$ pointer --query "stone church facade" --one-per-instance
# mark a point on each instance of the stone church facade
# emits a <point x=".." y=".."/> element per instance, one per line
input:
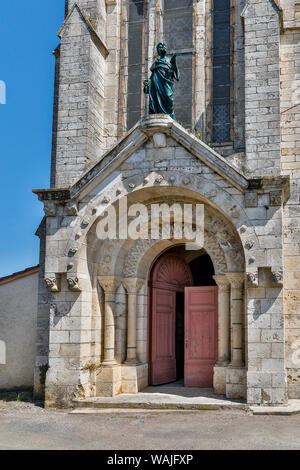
<point x="107" y="309"/>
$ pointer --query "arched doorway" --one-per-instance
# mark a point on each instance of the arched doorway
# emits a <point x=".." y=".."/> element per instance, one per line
<point x="183" y="319"/>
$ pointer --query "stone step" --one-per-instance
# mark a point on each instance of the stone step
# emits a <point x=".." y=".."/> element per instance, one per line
<point x="292" y="408"/>
<point x="158" y="402"/>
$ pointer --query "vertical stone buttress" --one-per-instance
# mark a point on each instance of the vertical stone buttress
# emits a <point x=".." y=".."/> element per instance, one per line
<point x="290" y="164"/>
<point x="266" y="376"/>
<point x="79" y="129"/>
<point x="79" y="135"/>
<point x="262" y="88"/>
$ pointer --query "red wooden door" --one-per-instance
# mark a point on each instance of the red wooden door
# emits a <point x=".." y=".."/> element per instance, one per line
<point x="163" y="360"/>
<point x="201" y="335"/>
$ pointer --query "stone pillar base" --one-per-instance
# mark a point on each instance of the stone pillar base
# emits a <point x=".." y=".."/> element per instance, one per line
<point x="60" y="396"/>
<point x="267" y="388"/>
<point x="134" y="378"/>
<point x="109" y="381"/>
<point x="220" y="379"/>
<point x="235" y="382"/>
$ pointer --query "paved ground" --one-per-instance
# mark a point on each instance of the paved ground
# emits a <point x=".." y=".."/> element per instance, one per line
<point x="25" y="426"/>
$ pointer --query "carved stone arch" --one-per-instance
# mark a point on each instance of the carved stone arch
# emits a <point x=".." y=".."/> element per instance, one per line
<point x="213" y="193"/>
<point x="216" y="255"/>
<point x="140" y="255"/>
<point x="216" y="196"/>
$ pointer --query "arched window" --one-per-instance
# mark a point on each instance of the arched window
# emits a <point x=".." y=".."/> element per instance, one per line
<point x="221" y="63"/>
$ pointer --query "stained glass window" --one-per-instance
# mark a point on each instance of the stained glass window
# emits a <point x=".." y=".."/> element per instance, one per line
<point x="178" y="36"/>
<point x="135" y="15"/>
<point x="221" y="58"/>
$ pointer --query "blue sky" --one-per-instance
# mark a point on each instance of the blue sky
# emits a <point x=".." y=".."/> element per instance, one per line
<point x="28" y="35"/>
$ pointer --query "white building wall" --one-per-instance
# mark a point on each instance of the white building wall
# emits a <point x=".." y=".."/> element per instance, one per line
<point x="18" y="310"/>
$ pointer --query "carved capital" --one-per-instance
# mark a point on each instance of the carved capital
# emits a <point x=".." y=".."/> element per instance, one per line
<point x="109" y="284"/>
<point x="133" y="284"/>
<point x="50" y="209"/>
<point x="223" y="283"/>
<point x="236" y="280"/>
<point x="73" y="284"/>
<point x="52" y="284"/>
<point x="252" y="279"/>
<point x="277" y="278"/>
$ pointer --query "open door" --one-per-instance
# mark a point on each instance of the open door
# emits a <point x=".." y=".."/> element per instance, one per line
<point x="163" y="366"/>
<point x="201" y="335"/>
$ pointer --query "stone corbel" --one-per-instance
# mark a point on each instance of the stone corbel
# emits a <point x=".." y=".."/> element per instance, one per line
<point x="73" y="284"/>
<point x="252" y="279"/>
<point x="277" y="278"/>
<point x="52" y="283"/>
<point x="50" y="209"/>
<point x="71" y="208"/>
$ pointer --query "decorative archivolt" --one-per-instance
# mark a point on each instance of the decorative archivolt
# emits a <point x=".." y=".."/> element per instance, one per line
<point x="228" y="234"/>
<point x="143" y="248"/>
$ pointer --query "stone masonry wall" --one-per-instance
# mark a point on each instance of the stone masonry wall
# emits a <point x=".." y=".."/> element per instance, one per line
<point x="96" y="10"/>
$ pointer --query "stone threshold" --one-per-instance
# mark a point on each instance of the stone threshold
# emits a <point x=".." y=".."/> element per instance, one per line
<point x="156" y="401"/>
<point x="292" y="408"/>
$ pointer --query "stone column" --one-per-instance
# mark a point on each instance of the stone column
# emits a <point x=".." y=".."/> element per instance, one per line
<point x="132" y="285"/>
<point x="223" y="320"/>
<point x="110" y="285"/>
<point x="236" y="305"/>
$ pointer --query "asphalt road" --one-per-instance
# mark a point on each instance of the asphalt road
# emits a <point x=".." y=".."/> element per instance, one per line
<point x="25" y="426"/>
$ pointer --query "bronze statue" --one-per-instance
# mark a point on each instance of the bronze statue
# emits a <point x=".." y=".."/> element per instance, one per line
<point x="160" y="87"/>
